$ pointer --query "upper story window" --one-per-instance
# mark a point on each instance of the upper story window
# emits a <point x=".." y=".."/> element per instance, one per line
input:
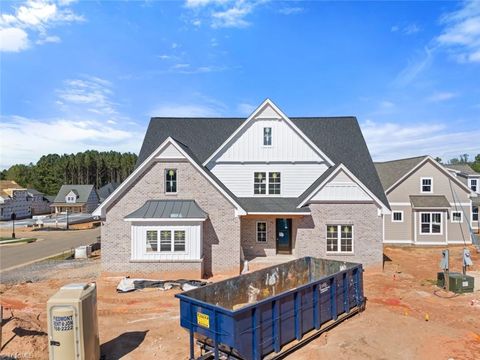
<point x="473" y="184"/>
<point x="426" y="185"/>
<point x="171" y="181"/>
<point x="267" y="136"/>
<point x="261" y="183"/>
<point x="397" y="216"/>
<point x="457" y="217"/>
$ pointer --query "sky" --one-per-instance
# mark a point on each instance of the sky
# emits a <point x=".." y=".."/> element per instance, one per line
<point x="79" y="75"/>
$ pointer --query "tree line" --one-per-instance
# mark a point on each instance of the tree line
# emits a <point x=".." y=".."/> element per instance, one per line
<point x="88" y="167"/>
<point x="464" y="159"/>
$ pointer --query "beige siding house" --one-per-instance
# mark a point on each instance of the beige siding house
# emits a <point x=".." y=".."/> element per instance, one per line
<point x="429" y="205"/>
<point x="208" y="193"/>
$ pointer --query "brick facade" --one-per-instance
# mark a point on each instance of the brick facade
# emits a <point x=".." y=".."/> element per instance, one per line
<point x="252" y="248"/>
<point x="221" y="231"/>
<point x="367" y="232"/>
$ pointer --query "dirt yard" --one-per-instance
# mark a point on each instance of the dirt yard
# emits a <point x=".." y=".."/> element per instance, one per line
<point x="406" y="317"/>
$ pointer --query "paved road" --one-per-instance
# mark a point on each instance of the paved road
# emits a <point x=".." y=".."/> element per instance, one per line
<point x="61" y="220"/>
<point x="53" y="242"/>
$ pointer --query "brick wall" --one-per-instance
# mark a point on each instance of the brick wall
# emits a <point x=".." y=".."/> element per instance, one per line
<point x="367" y="230"/>
<point x="221" y="232"/>
<point x="250" y="245"/>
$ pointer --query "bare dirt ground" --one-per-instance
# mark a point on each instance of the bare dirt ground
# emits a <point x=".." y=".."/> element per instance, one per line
<point x="145" y="324"/>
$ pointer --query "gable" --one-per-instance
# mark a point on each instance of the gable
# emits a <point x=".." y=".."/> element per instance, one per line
<point x="443" y="184"/>
<point x="341" y="188"/>
<point x="289" y="144"/>
<point x="170" y="152"/>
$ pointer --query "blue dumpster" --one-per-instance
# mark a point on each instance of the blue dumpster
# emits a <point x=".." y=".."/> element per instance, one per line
<point x="264" y="312"/>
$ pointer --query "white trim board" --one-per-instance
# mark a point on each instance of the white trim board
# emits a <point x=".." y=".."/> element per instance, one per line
<point x="171" y="220"/>
<point x="284" y="117"/>
<point x="278" y="213"/>
<point x="100" y="210"/>
<point x="342" y="167"/>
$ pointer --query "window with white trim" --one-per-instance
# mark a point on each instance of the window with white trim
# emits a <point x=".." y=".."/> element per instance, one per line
<point x="339" y="238"/>
<point x="430" y="223"/>
<point x="457" y="217"/>
<point x="267" y="136"/>
<point x="171" y="181"/>
<point x="426" y="185"/>
<point x="397" y="216"/>
<point x="152" y="241"/>
<point x="261" y="231"/>
<point x="261" y="183"/>
<point x="474" y="213"/>
<point x="473" y="184"/>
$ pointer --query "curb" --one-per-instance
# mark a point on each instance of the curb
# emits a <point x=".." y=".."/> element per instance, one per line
<point x="32" y="262"/>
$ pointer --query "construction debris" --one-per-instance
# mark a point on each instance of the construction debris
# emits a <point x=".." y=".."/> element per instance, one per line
<point x="127" y="284"/>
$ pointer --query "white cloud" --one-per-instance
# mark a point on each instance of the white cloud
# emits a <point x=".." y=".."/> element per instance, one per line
<point x="186" y="110"/>
<point x="385" y="104"/>
<point x="60" y="135"/>
<point x="13" y="39"/>
<point x="234" y="16"/>
<point x="291" y="10"/>
<point x="415" y="67"/>
<point x="203" y="3"/>
<point x="246" y="109"/>
<point x="461" y="34"/>
<point x="406" y="30"/>
<point x="33" y="19"/>
<point x="388" y="141"/>
<point x="441" y="96"/>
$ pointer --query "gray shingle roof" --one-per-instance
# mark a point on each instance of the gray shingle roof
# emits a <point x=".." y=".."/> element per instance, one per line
<point x="82" y="191"/>
<point x="463" y="168"/>
<point x="390" y="172"/>
<point x="340" y="138"/>
<point x="429" y="201"/>
<point x="106" y="190"/>
<point x="270" y="204"/>
<point x="34" y="192"/>
<point x="168" y="209"/>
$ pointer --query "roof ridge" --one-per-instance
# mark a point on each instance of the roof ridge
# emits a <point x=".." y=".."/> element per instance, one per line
<point x="409" y="158"/>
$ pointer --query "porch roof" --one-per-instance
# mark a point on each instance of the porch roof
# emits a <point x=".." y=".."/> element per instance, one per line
<point x="274" y="205"/>
<point x="168" y="209"/>
<point x="429" y="201"/>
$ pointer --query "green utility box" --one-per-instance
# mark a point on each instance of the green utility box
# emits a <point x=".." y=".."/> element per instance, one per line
<point x="459" y="283"/>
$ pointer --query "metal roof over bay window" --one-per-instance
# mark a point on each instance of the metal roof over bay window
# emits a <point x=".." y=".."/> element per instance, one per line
<point x="171" y="210"/>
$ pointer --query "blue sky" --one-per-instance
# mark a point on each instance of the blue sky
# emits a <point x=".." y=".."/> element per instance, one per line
<point x="89" y="74"/>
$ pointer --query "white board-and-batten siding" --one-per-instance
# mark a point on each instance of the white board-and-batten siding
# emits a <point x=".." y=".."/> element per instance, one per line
<point x="193" y="241"/>
<point x="341" y="188"/>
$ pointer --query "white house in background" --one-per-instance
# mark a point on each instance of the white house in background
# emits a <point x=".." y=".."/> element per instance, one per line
<point x="209" y="192"/>
<point x="430" y="206"/>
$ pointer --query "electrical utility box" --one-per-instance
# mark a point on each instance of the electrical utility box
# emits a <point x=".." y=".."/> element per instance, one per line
<point x="72" y="323"/>
<point x="458" y="283"/>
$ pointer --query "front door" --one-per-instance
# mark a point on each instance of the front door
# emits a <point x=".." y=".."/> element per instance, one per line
<point x="284" y="236"/>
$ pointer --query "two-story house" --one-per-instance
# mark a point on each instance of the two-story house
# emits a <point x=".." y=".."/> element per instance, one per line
<point x="13" y="200"/>
<point x="472" y="179"/>
<point x="208" y="192"/>
<point x="39" y="204"/>
<point x="429" y="205"/>
<point x="76" y="199"/>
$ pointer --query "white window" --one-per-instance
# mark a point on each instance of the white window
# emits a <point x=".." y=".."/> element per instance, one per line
<point x="457" y="217"/>
<point x="431" y="223"/>
<point x="267" y="136"/>
<point x="426" y="185"/>
<point x="261" y="231"/>
<point x="473" y="184"/>
<point x="170" y="241"/>
<point x="397" y="216"/>
<point x="171" y="181"/>
<point x="261" y="183"/>
<point x="474" y="213"/>
<point x="152" y="240"/>
<point x="339" y="238"/>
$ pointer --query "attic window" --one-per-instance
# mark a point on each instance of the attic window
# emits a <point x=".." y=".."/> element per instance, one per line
<point x="267" y="136"/>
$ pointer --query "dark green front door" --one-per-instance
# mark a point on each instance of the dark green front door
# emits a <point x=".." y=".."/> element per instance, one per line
<point x="284" y="236"/>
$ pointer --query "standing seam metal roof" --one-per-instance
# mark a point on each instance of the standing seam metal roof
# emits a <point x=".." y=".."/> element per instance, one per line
<point x="168" y="209"/>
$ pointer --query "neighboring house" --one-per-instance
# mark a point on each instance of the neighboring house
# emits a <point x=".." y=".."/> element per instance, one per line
<point x="39" y="204"/>
<point x="472" y="179"/>
<point x="429" y="205"/>
<point x="76" y="199"/>
<point x="106" y="190"/>
<point x="208" y="192"/>
<point x="13" y="199"/>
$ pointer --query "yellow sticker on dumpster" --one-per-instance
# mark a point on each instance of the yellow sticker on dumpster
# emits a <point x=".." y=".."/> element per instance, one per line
<point x="203" y="320"/>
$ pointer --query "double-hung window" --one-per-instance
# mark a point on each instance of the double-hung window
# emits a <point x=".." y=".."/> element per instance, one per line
<point x="339" y="238"/>
<point x="261" y="231"/>
<point x="426" y="185"/>
<point x="267" y="136"/>
<point x="430" y="223"/>
<point x="474" y="213"/>
<point x="473" y="184"/>
<point x="274" y="183"/>
<point x="457" y="217"/>
<point x="259" y="183"/>
<point x="170" y="241"/>
<point x="170" y="181"/>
